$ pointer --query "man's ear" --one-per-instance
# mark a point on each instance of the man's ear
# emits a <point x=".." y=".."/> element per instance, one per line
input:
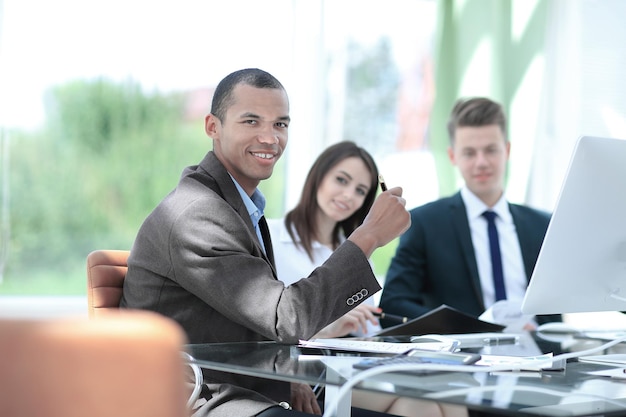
<point x="451" y="155"/>
<point x="211" y="126"/>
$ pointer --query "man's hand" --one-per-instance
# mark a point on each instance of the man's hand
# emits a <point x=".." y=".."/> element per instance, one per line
<point x="386" y="220"/>
<point x="303" y="399"/>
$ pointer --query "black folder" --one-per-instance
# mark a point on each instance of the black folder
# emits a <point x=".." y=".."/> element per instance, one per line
<point x="442" y="320"/>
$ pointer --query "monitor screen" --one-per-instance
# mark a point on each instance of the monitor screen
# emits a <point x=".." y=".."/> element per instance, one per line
<point x="582" y="263"/>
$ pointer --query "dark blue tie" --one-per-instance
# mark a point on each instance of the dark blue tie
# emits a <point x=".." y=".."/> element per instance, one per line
<point x="267" y="240"/>
<point x="496" y="258"/>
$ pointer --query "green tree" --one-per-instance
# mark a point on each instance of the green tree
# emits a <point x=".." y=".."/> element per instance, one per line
<point x="371" y="96"/>
<point x="108" y="153"/>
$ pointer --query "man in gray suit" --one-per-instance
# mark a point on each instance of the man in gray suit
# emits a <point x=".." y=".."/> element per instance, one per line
<point x="204" y="256"/>
<point x="445" y="257"/>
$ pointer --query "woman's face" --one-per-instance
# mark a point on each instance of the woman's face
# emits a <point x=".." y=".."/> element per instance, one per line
<point x="343" y="189"/>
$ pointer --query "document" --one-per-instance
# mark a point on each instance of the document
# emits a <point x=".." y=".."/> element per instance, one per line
<point x="617" y="373"/>
<point x="522" y="363"/>
<point x="612" y="359"/>
<point x="359" y="345"/>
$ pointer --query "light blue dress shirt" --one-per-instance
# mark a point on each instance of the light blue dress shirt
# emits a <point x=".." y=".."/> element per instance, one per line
<point x="255" y="206"/>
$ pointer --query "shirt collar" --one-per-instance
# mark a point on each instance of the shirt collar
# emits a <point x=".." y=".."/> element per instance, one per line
<point x="254" y="205"/>
<point x="475" y="207"/>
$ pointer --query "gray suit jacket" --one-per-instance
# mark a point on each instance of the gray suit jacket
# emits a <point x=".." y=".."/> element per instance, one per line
<point x="435" y="262"/>
<point x="197" y="260"/>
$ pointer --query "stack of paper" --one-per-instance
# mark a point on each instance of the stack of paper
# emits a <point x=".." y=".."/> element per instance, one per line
<point x="353" y="345"/>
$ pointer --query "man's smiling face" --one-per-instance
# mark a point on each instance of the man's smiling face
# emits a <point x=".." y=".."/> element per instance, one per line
<point x="253" y="134"/>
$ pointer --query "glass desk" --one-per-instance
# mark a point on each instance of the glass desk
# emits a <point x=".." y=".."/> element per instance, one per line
<point x="569" y="392"/>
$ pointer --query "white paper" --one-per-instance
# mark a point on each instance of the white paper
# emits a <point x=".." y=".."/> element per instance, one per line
<point x="377" y="347"/>
<point x="507" y="313"/>
<point x="520" y="363"/>
<point x="619" y="373"/>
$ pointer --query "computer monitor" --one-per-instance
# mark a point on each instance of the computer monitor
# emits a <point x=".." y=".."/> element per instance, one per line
<point x="582" y="263"/>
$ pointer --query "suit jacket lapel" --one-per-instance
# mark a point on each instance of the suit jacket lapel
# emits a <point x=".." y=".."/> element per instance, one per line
<point x="458" y="214"/>
<point x="228" y="191"/>
<point x="524" y="230"/>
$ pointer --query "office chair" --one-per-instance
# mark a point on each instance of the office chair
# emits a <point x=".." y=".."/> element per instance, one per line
<point x="124" y="364"/>
<point x="106" y="270"/>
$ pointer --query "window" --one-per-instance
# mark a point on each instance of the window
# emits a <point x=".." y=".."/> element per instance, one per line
<point x="102" y="106"/>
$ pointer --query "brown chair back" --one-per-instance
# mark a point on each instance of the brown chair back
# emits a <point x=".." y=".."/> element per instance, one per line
<point x="106" y="270"/>
<point x="124" y="364"/>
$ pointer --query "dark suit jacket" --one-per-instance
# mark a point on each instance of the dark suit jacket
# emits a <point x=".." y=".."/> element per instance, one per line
<point x="197" y="259"/>
<point x="435" y="263"/>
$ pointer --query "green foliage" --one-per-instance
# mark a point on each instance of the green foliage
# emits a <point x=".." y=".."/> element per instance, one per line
<point x="97" y="114"/>
<point x="371" y="96"/>
<point x="108" y="154"/>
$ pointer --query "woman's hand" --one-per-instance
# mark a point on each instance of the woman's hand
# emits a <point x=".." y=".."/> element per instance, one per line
<point x="351" y="322"/>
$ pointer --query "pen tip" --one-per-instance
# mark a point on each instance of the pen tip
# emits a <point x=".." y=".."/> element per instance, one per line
<point x="381" y="179"/>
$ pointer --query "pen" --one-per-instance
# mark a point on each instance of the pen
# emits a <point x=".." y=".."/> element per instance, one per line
<point x="381" y="180"/>
<point x="392" y="317"/>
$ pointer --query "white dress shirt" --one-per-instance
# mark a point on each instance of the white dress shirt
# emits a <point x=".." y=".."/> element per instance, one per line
<point x="293" y="263"/>
<point x="515" y="280"/>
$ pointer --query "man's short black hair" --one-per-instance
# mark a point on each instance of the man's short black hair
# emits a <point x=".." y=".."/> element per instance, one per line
<point x="222" y="98"/>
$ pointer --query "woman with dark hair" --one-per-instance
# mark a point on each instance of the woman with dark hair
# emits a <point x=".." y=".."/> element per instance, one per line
<point x="338" y="192"/>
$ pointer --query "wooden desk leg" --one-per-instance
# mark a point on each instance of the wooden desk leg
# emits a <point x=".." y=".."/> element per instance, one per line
<point x="331" y="391"/>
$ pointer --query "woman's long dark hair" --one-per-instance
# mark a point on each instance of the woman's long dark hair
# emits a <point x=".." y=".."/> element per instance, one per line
<point x="302" y="218"/>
